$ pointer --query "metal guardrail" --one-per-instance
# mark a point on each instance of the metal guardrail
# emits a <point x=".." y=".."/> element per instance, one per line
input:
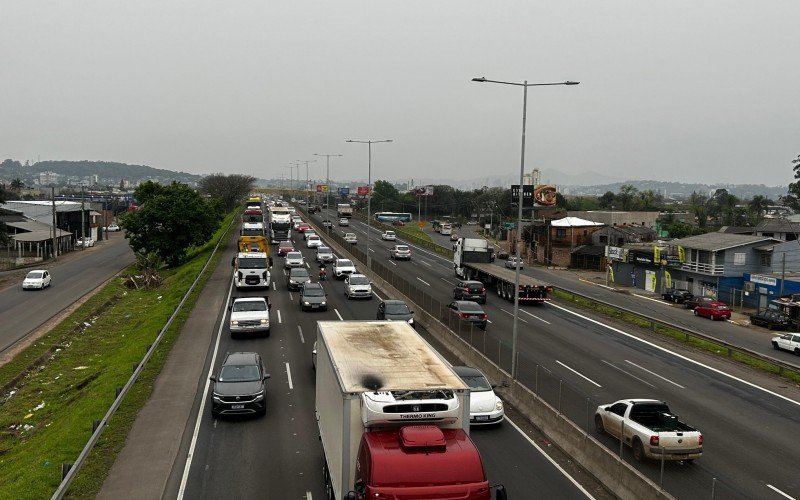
<point x="121" y="393"/>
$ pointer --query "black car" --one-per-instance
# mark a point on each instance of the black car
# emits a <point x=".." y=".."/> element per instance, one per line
<point x="772" y="319"/>
<point x="313" y="296"/>
<point x="395" y="310"/>
<point x="240" y="386"/>
<point x="698" y="301"/>
<point x="677" y="295"/>
<point x="469" y="311"/>
<point x="297" y="277"/>
<point x="470" y="290"/>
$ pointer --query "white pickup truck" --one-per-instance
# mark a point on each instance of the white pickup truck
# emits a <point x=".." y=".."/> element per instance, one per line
<point x="249" y="315"/>
<point x="648" y="427"/>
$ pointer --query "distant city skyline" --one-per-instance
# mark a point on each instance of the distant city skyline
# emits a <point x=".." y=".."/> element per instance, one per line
<point x="684" y="91"/>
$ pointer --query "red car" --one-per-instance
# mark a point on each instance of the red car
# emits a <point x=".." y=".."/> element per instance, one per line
<point x="713" y="310"/>
<point x="398" y="223"/>
<point x="303" y="227"/>
<point x="285" y="247"/>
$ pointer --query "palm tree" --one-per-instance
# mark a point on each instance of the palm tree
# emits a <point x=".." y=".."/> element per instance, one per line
<point x="17" y="184"/>
<point x="756" y="207"/>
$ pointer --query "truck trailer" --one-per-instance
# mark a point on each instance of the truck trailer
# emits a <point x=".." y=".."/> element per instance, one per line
<point x="393" y="416"/>
<point x="472" y="260"/>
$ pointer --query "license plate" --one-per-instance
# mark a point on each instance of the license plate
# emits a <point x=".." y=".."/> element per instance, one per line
<point x="482" y="417"/>
<point x="315" y="306"/>
<point x="237" y="407"/>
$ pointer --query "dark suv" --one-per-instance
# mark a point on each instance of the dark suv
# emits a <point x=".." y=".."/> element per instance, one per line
<point x="771" y="319"/>
<point x="470" y="290"/>
<point x="395" y="310"/>
<point x="240" y="386"/>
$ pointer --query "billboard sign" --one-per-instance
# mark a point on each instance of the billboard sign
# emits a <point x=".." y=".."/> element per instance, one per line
<point x="423" y="191"/>
<point x="344" y="191"/>
<point x="363" y="190"/>
<point x="527" y="195"/>
<point x="322" y="188"/>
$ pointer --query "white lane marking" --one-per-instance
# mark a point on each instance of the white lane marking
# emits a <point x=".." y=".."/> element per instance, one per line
<point x="511" y="314"/>
<point x="289" y="376"/>
<point x="576" y="372"/>
<point x="657" y="301"/>
<point x="679" y="356"/>
<point x="284" y="271"/>
<point x="201" y="410"/>
<point x="628" y="373"/>
<point x="300" y="329"/>
<point x="274" y="286"/>
<point x="655" y="374"/>
<point x="308" y="495"/>
<point x="392" y="262"/>
<point x="337" y="313"/>
<point x="371" y="249"/>
<point x="776" y="490"/>
<point x="426" y="263"/>
<point x="537" y="317"/>
<point x="424" y="281"/>
<point x="447" y="281"/>
<point x="279" y="316"/>
<point x="307" y="266"/>
<point x="550" y="459"/>
<point x="291" y="297"/>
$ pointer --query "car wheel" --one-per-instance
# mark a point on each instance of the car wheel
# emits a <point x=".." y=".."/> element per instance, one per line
<point x="712" y="317"/>
<point x="598" y="424"/>
<point x="638" y="450"/>
<point x="797" y="351"/>
<point x="695" y="312"/>
<point x="775" y="346"/>
<point x="675" y="300"/>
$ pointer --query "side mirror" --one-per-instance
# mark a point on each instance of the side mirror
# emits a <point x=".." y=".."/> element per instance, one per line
<point x="213" y="379"/>
<point x="266" y="376"/>
<point x="500" y="492"/>
<point x="269" y="306"/>
<point x="607" y="408"/>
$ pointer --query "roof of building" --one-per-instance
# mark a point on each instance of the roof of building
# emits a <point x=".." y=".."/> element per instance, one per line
<point x="592" y="250"/>
<point x="778" y="226"/>
<point x="714" y="242"/>
<point x="737" y="230"/>
<point x="574" y="222"/>
<point x="39" y="235"/>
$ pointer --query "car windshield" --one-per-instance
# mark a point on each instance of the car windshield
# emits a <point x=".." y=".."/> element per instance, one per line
<point x="286" y="245"/>
<point x="359" y="280"/>
<point x="397" y="308"/>
<point x="249" y="305"/>
<point x="401" y="248"/>
<point x="313" y="237"/>
<point x="344" y="263"/>
<point x="253" y="263"/>
<point x="294" y="255"/>
<point x="476" y="383"/>
<point x="252" y="232"/>
<point x="314" y="292"/>
<point x="470" y="307"/>
<point x="239" y="373"/>
<point x="299" y="273"/>
<point x="322" y="250"/>
<point x="350" y="235"/>
<point x="34" y="275"/>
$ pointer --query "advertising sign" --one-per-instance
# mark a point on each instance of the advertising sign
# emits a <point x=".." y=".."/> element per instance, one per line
<point x="763" y="280"/>
<point x="527" y="195"/>
<point x="544" y="195"/>
<point x="363" y="190"/>
<point x="616" y="253"/>
<point x="423" y="191"/>
<point x="322" y="188"/>
<point x="344" y="191"/>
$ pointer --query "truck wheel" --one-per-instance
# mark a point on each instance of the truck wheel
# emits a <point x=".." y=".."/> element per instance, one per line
<point x="638" y="450"/>
<point x="598" y="424"/>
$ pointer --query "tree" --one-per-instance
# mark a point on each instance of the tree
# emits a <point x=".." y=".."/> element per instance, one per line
<point x="385" y="195"/>
<point x="4" y="238"/>
<point x="171" y="220"/>
<point x="756" y="208"/>
<point x="627" y="196"/>
<point x="698" y="205"/>
<point x="792" y="200"/>
<point x="607" y="200"/>
<point x="230" y="189"/>
<point x="17" y="184"/>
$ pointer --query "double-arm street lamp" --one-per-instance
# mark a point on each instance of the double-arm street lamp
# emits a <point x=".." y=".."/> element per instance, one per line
<point x="518" y="252"/>
<point x="306" y="189"/>
<point x="328" y="192"/>
<point x="369" y="190"/>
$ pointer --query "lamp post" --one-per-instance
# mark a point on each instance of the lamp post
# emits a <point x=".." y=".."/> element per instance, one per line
<point x="369" y="189"/>
<point x="328" y="191"/>
<point x="291" y="179"/>
<point x="306" y="189"/>
<point x="524" y="86"/>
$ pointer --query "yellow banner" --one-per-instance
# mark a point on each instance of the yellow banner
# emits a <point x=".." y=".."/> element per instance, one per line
<point x="611" y="273"/>
<point x="667" y="279"/>
<point x="656" y="255"/>
<point x="681" y="254"/>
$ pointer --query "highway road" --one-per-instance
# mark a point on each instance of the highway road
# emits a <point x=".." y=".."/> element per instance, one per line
<point x="74" y="275"/>
<point x="279" y="455"/>
<point x="745" y="415"/>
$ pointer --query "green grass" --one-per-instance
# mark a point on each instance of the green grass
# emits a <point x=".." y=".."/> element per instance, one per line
<point x="74" y="370"/>
<point x="678" y="335"/>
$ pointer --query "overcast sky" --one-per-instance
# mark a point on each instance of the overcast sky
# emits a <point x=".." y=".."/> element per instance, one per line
<point x="689" y="91"/>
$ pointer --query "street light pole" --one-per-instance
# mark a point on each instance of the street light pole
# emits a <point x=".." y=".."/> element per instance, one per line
<point x="306" y="189"/>
<point x="515" y="328"/>
<point x="328" y="191"/>
<point x="369" y="190"/>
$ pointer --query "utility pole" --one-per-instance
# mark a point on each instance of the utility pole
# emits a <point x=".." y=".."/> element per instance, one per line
<point x="55" y="230"/>
<point x="306" y="189"/>
<point x="328" y="189"/>
<point x="83" y="218"/>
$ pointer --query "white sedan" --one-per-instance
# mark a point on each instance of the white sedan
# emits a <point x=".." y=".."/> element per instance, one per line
<point x="513" y="262"/>
<point x="112" y="227"/>
<point x="485" y="408"/>
<point x="313" y="241"/>
<point x="351" y="238"/>
<point x="389" y="236"/>
<point x="788" y="342"/>
<point x="37" y="279"/>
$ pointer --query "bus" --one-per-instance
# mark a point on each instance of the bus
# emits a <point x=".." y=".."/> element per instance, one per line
<point x="392" y="216"/>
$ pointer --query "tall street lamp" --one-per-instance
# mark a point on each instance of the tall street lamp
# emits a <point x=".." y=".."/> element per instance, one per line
<point x="306" y="189"/>
<point x="328" y="192"/>
<point x="524" y="86"/>
<point x="369" y="190"/>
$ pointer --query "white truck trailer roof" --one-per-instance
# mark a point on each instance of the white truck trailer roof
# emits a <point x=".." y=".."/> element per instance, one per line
<point x="388" y="354"/>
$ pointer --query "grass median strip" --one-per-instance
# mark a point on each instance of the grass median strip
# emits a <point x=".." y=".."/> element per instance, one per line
<point x="54" y="389"/>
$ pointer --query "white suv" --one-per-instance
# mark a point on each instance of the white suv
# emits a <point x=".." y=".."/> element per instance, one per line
<point x="351" y="238"/>
<point x="249" y="315"/>
<point x="357" y="286"/>
<point x="343" y="267"/>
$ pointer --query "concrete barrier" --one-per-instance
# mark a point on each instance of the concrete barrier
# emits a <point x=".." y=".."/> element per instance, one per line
<point x="618" y="476"/>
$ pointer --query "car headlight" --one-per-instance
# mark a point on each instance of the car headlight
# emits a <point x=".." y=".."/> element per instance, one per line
<point x="306" y="303"/>
<point x="217" y="397"/>
<point x="410" y="321"/>
<point x="498" y="405"/>
<point x="259" y="396"/>
<point x="323" y="303"/>
<point x="293" y="282"/>
<point x="264" y="321"/>
<point x="234" y="323"/>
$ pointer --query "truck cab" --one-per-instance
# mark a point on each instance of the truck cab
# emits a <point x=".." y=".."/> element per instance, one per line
<point x="251" y="270"/>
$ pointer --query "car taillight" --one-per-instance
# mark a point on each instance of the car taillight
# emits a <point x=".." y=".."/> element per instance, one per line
<point x="463" y="315"/>
<point x="700" y="440"/>
<point x="483" y="290"/>
<point x="466" y="290"/>
<point x="484" y="316"/>
<point x="654" y="440"/>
